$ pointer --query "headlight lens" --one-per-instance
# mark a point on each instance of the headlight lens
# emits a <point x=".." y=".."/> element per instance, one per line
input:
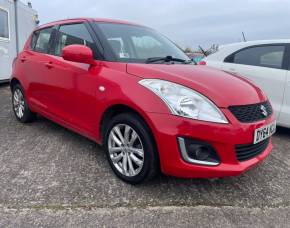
<point x="185" y="102"/>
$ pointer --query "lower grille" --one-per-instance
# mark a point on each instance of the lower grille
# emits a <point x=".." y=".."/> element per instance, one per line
<point x="248" y="151"/>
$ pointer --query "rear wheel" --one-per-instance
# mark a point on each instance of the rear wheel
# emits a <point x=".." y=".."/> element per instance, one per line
<point x="20" y="107"/>
<point x="130" y="149"/>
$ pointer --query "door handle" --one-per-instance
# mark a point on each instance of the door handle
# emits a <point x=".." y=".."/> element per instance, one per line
<point x="233" y="71"/>
<point x="23" y="59"/>
<point x="49" y="65"/>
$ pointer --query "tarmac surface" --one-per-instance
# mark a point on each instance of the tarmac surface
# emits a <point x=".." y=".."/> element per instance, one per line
<point x="52" y="177"/>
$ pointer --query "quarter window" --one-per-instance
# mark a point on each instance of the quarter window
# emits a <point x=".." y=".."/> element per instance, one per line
<point x="4" y="24"/>
<point x="34" y="39"/>
<point x="73" y="34"/>
<point x="264" y="56"/>
<point x="42" y="42"/>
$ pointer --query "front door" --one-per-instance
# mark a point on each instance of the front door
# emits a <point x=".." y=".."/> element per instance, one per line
<point x="74" y="85"/>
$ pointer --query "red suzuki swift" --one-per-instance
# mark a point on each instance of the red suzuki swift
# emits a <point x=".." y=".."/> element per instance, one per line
<point x="132" y="90"/>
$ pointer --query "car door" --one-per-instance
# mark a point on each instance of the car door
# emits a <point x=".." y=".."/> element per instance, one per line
<point x="265" y="65"/>
<point x="34" y="64"/>
<point x="74" y="84"/>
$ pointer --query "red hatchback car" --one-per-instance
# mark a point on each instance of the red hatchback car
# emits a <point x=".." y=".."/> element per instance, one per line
<point x="132" y="90"/>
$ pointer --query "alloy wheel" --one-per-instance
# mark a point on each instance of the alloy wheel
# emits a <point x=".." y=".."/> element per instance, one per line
<point x="18" y="103"/>
<point x="126" y="150"/>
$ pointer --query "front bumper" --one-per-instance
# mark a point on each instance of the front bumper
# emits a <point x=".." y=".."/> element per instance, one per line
<point x="223" y="138"/>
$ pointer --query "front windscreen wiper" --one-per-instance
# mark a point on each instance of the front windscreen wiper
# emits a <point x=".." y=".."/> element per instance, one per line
<point x="166" y="59"/>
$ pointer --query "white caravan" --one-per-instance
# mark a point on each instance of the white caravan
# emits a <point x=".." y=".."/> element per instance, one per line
<point x="17" y="20"/>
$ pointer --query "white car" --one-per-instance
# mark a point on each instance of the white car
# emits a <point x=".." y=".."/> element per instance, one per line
<point x="266" y="63"/>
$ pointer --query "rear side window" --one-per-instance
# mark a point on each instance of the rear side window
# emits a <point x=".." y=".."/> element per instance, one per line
<point x="73" y="34"/>
<point x="265" y="56"/>
<point x="4" y="24"/>
<point x="42" y="40"/>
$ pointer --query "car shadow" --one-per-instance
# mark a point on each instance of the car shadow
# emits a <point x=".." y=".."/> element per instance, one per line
<point x="4" y="84"/>
<point x="283" y="131"/>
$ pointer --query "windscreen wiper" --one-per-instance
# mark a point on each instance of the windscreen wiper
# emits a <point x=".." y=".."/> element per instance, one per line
<point x="168" y="58"/>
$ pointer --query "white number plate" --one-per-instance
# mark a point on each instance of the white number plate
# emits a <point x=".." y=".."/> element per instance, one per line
<point x="264" y="132"/>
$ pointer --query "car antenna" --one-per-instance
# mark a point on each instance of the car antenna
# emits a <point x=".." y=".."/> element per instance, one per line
<point x="244" y="37"/>
<point x="203" y="51"/>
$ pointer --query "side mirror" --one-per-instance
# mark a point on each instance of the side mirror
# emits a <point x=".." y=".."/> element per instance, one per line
<point x="78" y="53"/>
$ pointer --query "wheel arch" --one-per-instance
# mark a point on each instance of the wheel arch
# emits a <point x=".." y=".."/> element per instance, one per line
<point x="117" y="109"/>
<point x="14" y="81"/>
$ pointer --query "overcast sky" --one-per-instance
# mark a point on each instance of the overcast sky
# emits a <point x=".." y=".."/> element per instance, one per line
<point x="187" y="22"/>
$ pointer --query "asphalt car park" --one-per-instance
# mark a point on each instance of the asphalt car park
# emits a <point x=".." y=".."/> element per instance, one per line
<point x="52" y="176"/>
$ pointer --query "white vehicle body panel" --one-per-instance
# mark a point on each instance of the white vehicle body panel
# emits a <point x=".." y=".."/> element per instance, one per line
<point x="274" y="82"/>
<point x="285" y="112"/>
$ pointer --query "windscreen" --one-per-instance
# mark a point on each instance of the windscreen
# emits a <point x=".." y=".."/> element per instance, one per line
<point x="131" y="43"/>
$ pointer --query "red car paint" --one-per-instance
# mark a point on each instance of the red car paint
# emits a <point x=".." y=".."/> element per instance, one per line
<point x="68" y="93"/>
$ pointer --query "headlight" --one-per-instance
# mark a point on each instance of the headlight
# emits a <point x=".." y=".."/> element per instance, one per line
<point x="185" y="102"/>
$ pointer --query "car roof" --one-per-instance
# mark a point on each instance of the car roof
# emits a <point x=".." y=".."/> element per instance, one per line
<point x="225" y="50"/>
<point x="257" y="42"/>
<point x="82" y="19"/>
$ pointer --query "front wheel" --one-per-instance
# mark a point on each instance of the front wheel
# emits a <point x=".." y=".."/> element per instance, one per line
<point x="130" y="149"/>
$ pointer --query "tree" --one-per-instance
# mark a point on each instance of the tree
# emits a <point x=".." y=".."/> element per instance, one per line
<point x="188" y="50"/>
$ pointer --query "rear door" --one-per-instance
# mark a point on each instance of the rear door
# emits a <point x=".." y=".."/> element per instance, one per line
<point x="34" y="63"/>
<point x="266" y="66"/>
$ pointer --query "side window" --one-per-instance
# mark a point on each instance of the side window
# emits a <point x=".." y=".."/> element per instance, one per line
<point x="264" y="56"/>
<point x="73" y="34"/>
<point x="42" y="42"/>
<point x="4" y="24"/>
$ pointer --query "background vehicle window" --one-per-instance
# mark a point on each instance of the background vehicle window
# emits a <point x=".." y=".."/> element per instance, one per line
<point x="264" y="56"/>
<point x="4" y="26"/>
<point x="42" y="43"/>
<point x="73" y="34"/>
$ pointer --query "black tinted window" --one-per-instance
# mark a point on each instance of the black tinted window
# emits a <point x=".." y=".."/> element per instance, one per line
<point x="265" y="56"/>
<point x="73" y="34"/>
<point x="42" y="42"/>
<point x="4" y="28"/>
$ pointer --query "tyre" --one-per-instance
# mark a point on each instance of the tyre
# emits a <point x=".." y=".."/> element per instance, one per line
<point x="130" y="149"/>
<point x="20" y="106"/>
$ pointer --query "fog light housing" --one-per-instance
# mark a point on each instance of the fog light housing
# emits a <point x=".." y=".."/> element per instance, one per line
<point x="196" y="152"/>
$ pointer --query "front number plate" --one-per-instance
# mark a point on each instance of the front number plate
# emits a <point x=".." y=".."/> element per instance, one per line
<point x="264" y="132"/>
